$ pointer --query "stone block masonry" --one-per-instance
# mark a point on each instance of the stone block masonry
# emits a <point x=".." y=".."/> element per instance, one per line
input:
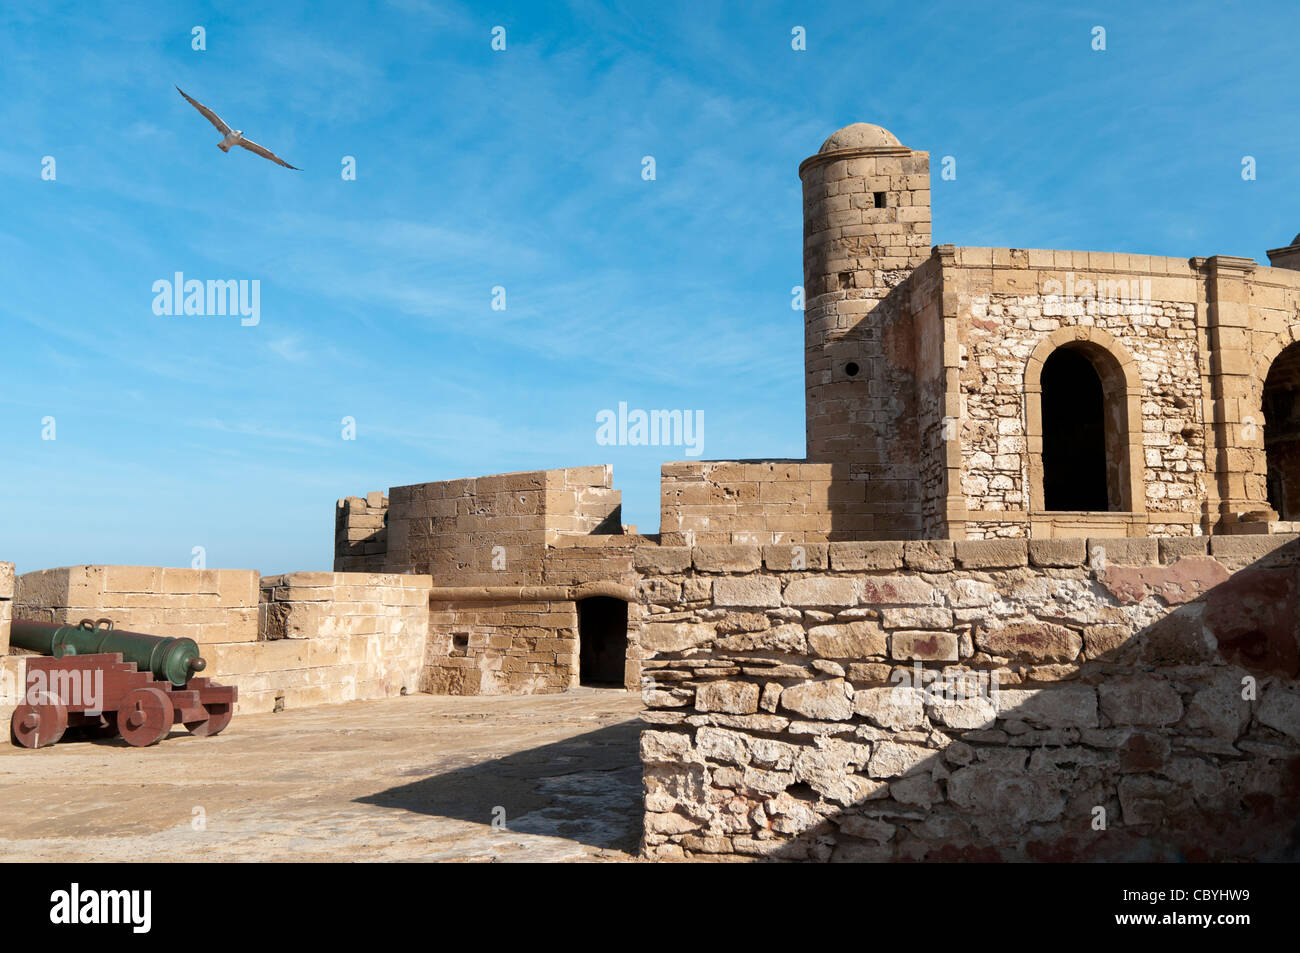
<point x="361" y="533"/>
<point x="974" y="700"/>
<point x="285" y="641"/>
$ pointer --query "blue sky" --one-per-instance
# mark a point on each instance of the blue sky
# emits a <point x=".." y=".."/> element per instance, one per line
<point x="522" y="169"/>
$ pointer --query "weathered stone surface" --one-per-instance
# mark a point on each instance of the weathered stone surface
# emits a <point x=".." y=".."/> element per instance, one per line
<point x="1219" y="709"/>
<point x="1179" y="582"/>
<point x="875" y="554"/>
<point x="1061" y="706"/>
<point x="757" y="591"/>
<point x="1060" y="553"/>
<point x="991" y="553"/>
<point x="898" y="707"/>
<point x="1007" y="798"/>
<point x="1099" y="641"/>
<point x="730" y="558"/>
<point x="895" y="590"/>
<point x="1280" y="710"/>
<point x="1141" y="700"/>
<point x="1146" y="800"/>
<point x="1177" y="547"/>
<point x="829" y="700"/>
<point x="1120" y="551"/>
<point x="733" y="622"/>
<point x="892" y="760"/>
<point x="736" y="698"/>
<point x="925" y="555"/>
<point x="797" y="556"/>
<point x="916" y="617"/>
<point x="820" y="591"/>
<point x="780" y="638"/>
<point x="1031" y="641"/>
<point x="923" y="646"/>
<point x="675" y="636"/>
<point x="662" y="560"/>
<point x="1237" y="552"/>
<point x="964" y="713"/>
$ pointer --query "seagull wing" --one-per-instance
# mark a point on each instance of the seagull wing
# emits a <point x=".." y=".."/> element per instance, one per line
<point x="207" y="113"/>
<point x="266" y="153"/>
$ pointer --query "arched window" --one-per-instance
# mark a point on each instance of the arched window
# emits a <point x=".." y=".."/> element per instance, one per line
<point x="1083" y="424"/>
<point x="1074" y="434"/>
<point x="1282" y="432"/>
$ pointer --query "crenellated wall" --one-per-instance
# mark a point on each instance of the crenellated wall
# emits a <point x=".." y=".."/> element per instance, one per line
<point x="1049" y="699"/>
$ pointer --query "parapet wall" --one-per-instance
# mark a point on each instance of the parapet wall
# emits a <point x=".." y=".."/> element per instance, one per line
<point x="1052" y="699"/>
<point x="285" y="641"/>
<point x="493" y="530"/>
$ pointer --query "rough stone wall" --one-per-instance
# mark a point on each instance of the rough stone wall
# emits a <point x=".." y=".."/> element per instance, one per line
<point x="1050" y="699"/>
<point x="285" y="641"/>
<point x="331" y="637"/>
<point x="1010" y="300"/>
<point x="361" y="533"/>
<point x="501" y="648"/>
<point x="511" y="643"/>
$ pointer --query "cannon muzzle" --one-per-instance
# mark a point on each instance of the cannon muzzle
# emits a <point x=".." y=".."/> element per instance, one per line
<point x="168" y="659"/>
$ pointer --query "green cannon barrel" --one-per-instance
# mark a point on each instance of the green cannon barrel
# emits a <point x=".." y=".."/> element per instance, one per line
<point x="173" y="660"/>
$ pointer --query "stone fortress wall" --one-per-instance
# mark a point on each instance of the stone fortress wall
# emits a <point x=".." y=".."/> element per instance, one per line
<point x="1042" y="699"/>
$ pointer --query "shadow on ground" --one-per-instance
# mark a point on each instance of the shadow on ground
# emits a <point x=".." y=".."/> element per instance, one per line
<point x="586" y="789"/>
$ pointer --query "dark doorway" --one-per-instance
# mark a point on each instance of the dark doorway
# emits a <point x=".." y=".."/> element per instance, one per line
<point x="1282" y="433"/>
<point x="1074" y="433"/>
<point x="602" y="640"/>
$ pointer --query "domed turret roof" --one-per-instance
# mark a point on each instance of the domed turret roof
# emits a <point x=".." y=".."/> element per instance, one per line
<point x="859" y="135"/>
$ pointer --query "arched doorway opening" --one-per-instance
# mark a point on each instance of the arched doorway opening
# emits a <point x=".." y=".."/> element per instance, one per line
<point x="1281" y="407"/>
<point x="602" y="641"/>
<point x="1078" y="437"/>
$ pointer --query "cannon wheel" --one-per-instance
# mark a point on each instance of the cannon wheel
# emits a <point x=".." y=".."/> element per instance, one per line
<point x="145" y="716"/>
<point x="215" y="718"/>
<point x="40" y="722"/>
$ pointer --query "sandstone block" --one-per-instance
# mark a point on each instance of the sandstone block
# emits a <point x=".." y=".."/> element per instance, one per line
<point x="820" y="591"/>
<point x="1141" y="700"/>
<point x="1057" y="552"/>
<point x="828" y="700"/>
<point x="733" y="697"/>
<point x="866" y="555"/>
<point x="728" y="558"/>
<point x="848" y="641"/>
<point x="990" y="553"/>
<point x="754" y="591"/>
<point x="923" y="646"/>
<point x="1031" y="641"/>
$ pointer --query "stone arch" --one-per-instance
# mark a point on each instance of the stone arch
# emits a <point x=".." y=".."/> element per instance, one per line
<point x="1271" y="424"/>
<point x="1122" y="393"/>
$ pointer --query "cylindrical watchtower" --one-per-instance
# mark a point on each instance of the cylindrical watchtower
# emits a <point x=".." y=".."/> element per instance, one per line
<point x="866" y="202"/>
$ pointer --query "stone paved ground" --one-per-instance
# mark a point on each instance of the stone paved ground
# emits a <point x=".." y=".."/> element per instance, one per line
<point x="414" y="778"/>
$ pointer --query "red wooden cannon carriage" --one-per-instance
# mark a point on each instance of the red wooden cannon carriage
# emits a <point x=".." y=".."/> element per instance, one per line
<point x="139" y="699"/>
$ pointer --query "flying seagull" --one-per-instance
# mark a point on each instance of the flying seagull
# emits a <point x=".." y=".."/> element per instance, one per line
<point x="233" y="136"/>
